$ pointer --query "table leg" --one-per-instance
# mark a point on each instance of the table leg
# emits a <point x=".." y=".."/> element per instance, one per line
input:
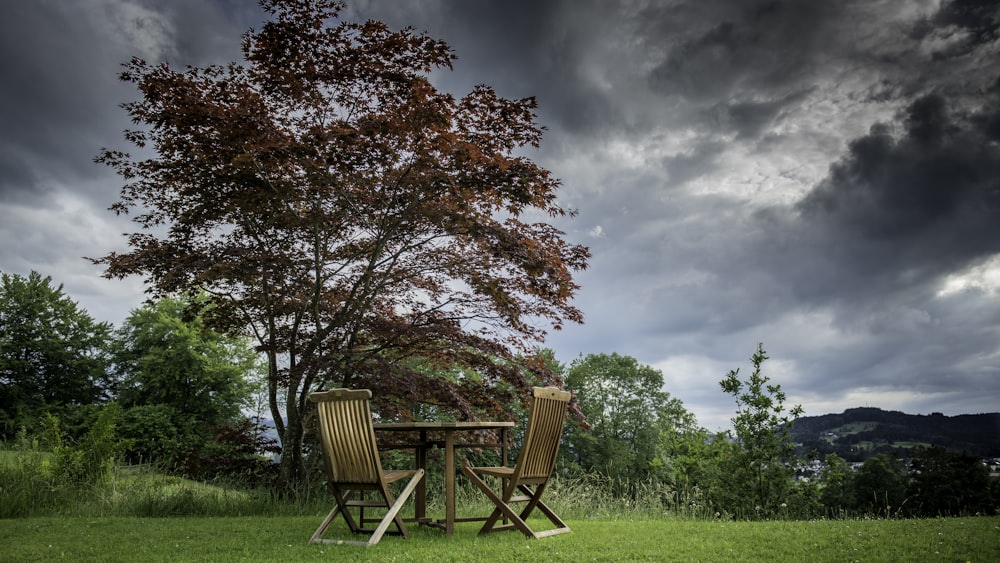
<point x="503" y="456"/>
<point x="449" y="482"/>
<point x="420" y="495"/>
<point x="503" y="446"/>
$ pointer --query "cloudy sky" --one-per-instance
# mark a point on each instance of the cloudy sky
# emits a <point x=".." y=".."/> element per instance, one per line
<point x="821" y="177"/>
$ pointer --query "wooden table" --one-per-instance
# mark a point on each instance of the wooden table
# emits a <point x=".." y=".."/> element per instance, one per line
<point x="449" y="443"/>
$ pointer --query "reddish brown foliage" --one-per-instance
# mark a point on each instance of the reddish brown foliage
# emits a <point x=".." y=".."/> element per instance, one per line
<point x="364" y="226"/>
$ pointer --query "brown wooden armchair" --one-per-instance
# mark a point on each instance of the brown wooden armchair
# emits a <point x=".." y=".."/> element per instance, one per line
<point x="353" y="466"/>
<point x="534" y="467"/>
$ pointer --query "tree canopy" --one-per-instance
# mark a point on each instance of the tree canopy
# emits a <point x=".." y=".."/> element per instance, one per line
<point x="177" y="380"/>
<point x="164" y="358"/>
<point x="52" y="353"/>
<point x="332" y="202"/>
<point x="622" y="401"/>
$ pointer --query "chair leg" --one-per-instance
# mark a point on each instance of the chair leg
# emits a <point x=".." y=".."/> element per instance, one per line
<point x="392" y="516"/>
<point x="536" y="502"/>
<point x="326" y="524"/>
<point x="341" y="500"/>
<point x="501" y="508"/>
<point x="548" y="512"/>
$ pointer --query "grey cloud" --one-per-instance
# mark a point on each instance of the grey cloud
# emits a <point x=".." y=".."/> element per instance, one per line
<point x="932" y="196"/>
<point x="669" y="122"/>
<point x="988" y="120"/>
<point x="968" y="23"/>
<point x="749" y="119"/>
<point x="726" y="48"/>
<point x="59" y="104"/>
<point x="701" y="66"/>
<point x="687" y="166"/>
<point x="49" y="103"/>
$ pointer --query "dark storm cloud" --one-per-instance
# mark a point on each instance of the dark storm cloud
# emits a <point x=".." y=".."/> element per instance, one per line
<point x="48" y="103"/>
<point x="573" y="56"/>
<point x="923" y="204"/>
<point x="682" y="168"/>
<point x="749" y="119"/>
<point x="975" y="19"/>
<point x="59" y="101"/>
<point x="717" y="50"/>
<point x="863" y="258"/>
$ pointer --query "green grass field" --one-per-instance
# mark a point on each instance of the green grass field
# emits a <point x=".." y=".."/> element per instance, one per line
<point x="283" y="538"/>
<point x="142" y="515"/>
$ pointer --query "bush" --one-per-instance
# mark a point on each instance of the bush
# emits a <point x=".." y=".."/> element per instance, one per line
<point x="92" y="459"/>
<point x="33" y="481"/>
<point x="152" y="435"/>
<point x="234" y="453"/>
<point x="880" y="486"/>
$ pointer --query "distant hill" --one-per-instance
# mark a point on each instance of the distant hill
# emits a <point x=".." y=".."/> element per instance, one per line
<point x="857" y="434"/>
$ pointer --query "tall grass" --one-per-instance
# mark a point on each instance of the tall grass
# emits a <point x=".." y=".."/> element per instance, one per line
<point x="598" y="497"/>
<point x="31" y="485"/>
<point x="27" y="484"/>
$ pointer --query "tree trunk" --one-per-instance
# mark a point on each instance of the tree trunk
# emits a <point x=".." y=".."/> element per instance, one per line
<point x="292" y="468"/>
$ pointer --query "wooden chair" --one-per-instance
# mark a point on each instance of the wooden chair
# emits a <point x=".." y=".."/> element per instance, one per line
<point x="353" y="466"/>
<point x="534" y="467"/>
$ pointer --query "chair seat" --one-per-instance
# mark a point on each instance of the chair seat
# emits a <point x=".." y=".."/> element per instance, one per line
<point x="394" y="475"/>
<point x="504" y="472"/>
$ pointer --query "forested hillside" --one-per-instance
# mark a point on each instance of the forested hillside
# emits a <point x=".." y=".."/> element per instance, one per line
<point x="857" y="434"/>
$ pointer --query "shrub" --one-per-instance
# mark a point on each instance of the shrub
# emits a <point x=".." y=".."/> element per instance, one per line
<point x="235" y="453"/>
<point x="880" y="486"/>
<point x="92" y="459"/>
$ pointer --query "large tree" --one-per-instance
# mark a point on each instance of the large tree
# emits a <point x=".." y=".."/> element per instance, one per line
<point x="947" y="483"/>
<point x="348" y="214"/>
<point x="622" y="401"/>
<point x="175" y="372"/>
<point x="165" y="355"/>
<point x="53" y="355"/>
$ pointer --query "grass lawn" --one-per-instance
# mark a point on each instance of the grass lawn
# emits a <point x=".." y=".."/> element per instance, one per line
<point x="283" y="538"/>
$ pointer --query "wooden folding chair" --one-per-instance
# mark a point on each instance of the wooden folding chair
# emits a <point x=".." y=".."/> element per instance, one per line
<point x="353" y="466"/>
<point x="534" y="467"/>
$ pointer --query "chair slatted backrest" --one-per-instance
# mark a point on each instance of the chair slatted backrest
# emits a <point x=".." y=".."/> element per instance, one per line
<point x="348" y="437"/>
<point x="541" y="440"/>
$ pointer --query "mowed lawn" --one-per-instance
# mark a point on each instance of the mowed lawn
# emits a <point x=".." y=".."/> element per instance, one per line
<point x="284" y="539"/>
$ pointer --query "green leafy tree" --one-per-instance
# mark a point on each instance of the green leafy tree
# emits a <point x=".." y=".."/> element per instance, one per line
<point x="946" y="483"/>
<point x="53" y="355"/>
<point x="688" y="457"/>
<point x="880" y="485"/>
<point x="178" y="378"/>
<point x="837" y="479"/>
<point x="758" y="474"/>
<point x="156" y="433"/>
<point x="622" y="401"/>
<point x="330" y="198"/>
